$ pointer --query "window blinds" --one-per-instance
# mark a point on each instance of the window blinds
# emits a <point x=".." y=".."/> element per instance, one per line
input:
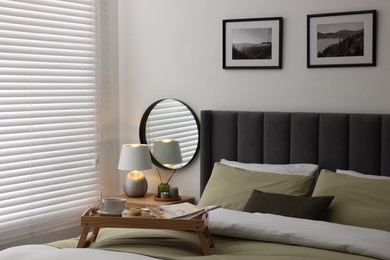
<point x="173" y="120"/>
<point x="48" y="115"/>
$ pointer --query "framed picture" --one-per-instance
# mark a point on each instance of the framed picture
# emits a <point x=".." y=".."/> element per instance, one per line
<point x="254" y="43"/>
<point x="341" y="39"/>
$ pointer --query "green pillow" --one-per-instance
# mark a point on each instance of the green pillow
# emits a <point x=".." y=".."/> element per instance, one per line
<point x="231" y="187"/>
<point x="288" y="205"/>
<point x="358" y="201"/>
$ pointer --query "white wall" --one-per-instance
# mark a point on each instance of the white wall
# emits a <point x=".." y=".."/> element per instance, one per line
<point x="173" y="48"/>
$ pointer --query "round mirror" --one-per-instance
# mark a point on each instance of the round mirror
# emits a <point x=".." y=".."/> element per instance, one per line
<point x="171" y="129"/>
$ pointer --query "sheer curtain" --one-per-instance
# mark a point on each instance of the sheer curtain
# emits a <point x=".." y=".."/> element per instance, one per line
<point x="48" y="115"/>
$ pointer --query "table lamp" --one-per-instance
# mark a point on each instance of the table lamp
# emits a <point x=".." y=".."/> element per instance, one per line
<point x="134" y="158"/>
<point x="168" y="153"/>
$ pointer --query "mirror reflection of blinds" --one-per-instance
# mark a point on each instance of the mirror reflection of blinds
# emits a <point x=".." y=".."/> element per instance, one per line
<point x="48" y="115"/>
<point x="171" y="119"/>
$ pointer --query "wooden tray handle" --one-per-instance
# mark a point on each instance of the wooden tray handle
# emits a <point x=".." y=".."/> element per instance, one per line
<point x="90" y="212"/>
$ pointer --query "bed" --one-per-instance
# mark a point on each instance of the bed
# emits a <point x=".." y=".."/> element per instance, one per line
<point x="291" y="186"/>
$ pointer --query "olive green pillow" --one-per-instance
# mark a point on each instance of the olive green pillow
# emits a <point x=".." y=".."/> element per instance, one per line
<point x="288" y="205"/>
<point x="358" y="201"/>
<point x="231" y="187"/>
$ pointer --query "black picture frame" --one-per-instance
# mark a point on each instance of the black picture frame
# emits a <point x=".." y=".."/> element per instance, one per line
<point x="249" y="43"/>
<point x="342" y="39"/>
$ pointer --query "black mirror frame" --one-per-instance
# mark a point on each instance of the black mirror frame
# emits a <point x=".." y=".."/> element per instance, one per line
<point x="142" y="129"/>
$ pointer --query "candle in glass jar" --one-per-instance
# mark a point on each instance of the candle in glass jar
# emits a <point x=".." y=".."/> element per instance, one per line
<point x="164" y="195"/>
<point x="174" y="192"/>
<point x="162" y="187"/>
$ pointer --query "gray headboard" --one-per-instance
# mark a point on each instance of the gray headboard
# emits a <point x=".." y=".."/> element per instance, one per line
<point x="359" y="142"/>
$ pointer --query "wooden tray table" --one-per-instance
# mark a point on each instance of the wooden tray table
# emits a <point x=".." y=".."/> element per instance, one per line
<point x="92" y="220"/>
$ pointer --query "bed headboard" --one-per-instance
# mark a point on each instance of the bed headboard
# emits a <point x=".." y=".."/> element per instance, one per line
<point x="359" y="142"/>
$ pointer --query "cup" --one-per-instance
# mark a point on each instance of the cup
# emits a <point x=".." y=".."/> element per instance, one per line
<point x="112" y="205"/>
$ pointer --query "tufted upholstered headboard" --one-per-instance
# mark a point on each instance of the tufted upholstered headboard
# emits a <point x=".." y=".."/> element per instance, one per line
<point x="359" y="142"/>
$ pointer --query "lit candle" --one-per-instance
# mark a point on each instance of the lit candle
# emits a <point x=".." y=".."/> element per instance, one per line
<point x="164" y="195"/>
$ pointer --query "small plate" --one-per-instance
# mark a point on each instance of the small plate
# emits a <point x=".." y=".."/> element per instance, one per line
<point x="103" y="212"/>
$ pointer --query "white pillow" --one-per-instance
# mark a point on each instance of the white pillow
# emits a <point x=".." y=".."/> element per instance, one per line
<point x="303" y="169"/>
<point x="362" y="175"/>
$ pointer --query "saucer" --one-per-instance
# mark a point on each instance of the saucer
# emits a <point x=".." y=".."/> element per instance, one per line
<point x="103" y="212"/>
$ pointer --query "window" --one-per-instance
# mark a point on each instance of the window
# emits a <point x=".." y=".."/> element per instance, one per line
<point x="48" y="115"/>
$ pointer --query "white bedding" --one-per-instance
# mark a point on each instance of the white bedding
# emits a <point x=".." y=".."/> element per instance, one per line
<point x="318" y="234"/>
<point x="256" y="226"/>
<point x="44" y="252"/>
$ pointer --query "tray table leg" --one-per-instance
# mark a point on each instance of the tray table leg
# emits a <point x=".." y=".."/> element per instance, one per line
<point x="203" y="243"/>
<point x="83" y="241"/>
<point x="83" y="237"/>
<point x="205" y="240"/>
<point x="93" y="237"/>
<point x="208" y="237"/>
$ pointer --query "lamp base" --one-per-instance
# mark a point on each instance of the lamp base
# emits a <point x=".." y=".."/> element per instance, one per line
<point x="135" y="184"/>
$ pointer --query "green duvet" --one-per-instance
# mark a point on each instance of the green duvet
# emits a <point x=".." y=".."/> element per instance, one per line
<point x="169" y="244"/>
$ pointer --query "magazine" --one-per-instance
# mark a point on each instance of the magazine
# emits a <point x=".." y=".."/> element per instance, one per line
<point x="181" y="210"/>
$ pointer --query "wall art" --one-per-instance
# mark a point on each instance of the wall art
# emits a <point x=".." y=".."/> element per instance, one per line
<point x="342" y="39"/>
<point x="254" y="43"/>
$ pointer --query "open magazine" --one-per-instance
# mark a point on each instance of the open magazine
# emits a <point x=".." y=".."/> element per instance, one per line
<point x="179" y="211"/>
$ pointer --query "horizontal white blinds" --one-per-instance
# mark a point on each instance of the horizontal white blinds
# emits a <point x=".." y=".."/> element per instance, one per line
<point x="48" y="115"/>
<point x="173" y="120"/>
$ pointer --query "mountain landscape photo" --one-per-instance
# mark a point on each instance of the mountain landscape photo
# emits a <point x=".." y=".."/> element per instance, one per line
<point x="252" y="43"/>
<point x="341" y="43"/>
<point x="246" y="51"/>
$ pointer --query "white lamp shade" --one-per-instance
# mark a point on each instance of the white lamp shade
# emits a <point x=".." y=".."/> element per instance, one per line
<point x="167" y="151"/>
<point x="134" y="157"/>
